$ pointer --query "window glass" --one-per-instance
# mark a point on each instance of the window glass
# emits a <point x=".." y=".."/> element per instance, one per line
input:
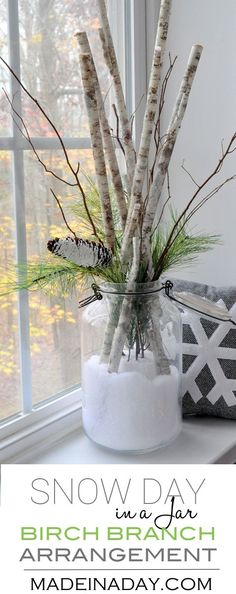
<point x="9" y="351"/>
<point x="54" y="320"/>
<point x="50" y="70"/>
<point x="5" y="119"/>
<point x="50" y="62"/>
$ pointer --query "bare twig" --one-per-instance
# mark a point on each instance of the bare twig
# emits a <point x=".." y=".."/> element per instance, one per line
<point x="165" y="203"/>
<point x="158" y="139"/>
<point x="136" y="109"/>
<point x="208" y="196"/>
<point x="27" y="137"/>
<point x="117" y="136"/>
<point x="47" y="118"/>
<point x="132" y="117"/>
<point x="63" y="214"/>
<point x="228" y="151"/>
<point x="189" y="174"/>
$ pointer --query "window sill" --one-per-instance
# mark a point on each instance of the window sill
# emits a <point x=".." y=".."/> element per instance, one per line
<point x="41" y="428"/>
<point x="202" y="441"/>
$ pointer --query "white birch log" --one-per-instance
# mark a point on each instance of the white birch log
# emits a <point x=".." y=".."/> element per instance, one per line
<point x="160" y="359"/>
<point x="151" y="105"/>
<point x="142" y="159"/>
<point x="107" y="139"/>
<point x="168" y="146"/>
<point x="123" y="326"/>
<point x="97" y="147"/>
<point x="113" y="317"/>
<point x="105" y="48"/>
<point x="155" y="193"/>
<point x="163" y="25"/>
<point x="122" y="110"/>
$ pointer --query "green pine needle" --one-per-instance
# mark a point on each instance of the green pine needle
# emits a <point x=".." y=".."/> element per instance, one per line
<point x="60" y="276"/>
<point x="184" y="250"/>
<point x="50" y="276"/>
<point x="57" y="276"/>
<point x="94" y="206"/>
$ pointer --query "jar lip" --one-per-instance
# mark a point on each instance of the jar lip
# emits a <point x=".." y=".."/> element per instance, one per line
<point x="149" y="287"/>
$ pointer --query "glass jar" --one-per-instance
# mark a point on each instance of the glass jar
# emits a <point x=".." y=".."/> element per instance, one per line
<point x="131" y="368"/>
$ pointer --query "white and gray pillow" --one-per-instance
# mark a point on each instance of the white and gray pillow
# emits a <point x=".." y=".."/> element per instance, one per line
<point x="209" y="356"/>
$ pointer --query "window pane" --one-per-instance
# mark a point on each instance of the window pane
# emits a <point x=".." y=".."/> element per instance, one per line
<point x="54" y="321"/>
<point x="9" y="353"/>
<point x="54" y="344"/>
<point x="5" y="119"/>
<point x="50" y="70"/>
<point x="50" y="62"/>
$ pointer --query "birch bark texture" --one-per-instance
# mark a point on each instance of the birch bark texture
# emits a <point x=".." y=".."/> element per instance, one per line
<point x="154" y="333"/>
<point x="168" y="146"/>
<point x="114" y="314"/>
<point x="142" y="159"/>
<point x="154" y="197"/>
<point x="111" y="61"/>
<point x="150" y="112"/>
<point x="163" y="25"/>
<point x="123" y="326"/>
<point x="109" y="148"/>
<point x="115" y="337"/>
<point x="138" y="223"/>
<point x="87" y="75"/>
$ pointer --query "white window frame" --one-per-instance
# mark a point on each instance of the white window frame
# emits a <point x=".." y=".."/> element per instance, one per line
<point x="62" y="414"/>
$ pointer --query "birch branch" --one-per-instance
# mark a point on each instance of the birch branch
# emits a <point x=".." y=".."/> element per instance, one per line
<point x="113" y="315"/>
<point x="107" y="139"/>
<point x="151" y="106"/>
<point x="168" y="146"/>
<point x="163" y="26"/>
<point x="97" y="147"/>
<point x="139" y="174"/>
<point x="125" y="315"/>
<point x="115" y="307"/>
<point x="154" y="334"/>
<point x="142" y="160"/>
<point x="111" y="61"/>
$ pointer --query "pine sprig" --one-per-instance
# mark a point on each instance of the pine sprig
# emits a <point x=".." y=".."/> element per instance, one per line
<point x="51" y="276"/>
<point x="93" y="202"/>
<point x="56" y="277"/>
<point x="186" y="247"/>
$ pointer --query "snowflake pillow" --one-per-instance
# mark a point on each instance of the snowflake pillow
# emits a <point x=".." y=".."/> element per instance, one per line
<point x="209" y="356"/>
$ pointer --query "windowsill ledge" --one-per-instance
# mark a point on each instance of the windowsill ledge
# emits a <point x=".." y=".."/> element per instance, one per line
<point x="202" y="441"/>
<point x="37" y="433"/>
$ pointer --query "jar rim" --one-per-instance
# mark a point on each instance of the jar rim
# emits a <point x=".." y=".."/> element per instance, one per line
<point x="150" y="287"/>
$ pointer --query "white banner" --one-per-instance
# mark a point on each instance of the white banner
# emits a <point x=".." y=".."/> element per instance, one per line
<point x="117" y="528"/>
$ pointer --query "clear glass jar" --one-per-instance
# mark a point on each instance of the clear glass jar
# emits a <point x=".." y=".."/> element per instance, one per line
<point x="131" y="368"/>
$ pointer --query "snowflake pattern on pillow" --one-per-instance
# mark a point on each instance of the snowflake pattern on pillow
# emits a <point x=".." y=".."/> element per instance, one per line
<point x="210" y="360"/>
<point x="209" y="356"/>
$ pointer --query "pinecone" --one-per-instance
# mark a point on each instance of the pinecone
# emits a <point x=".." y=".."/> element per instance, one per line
<point x="80" y="251"/>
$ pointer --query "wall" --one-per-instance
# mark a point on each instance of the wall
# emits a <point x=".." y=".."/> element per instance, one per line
<point x="210" y="117"/>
